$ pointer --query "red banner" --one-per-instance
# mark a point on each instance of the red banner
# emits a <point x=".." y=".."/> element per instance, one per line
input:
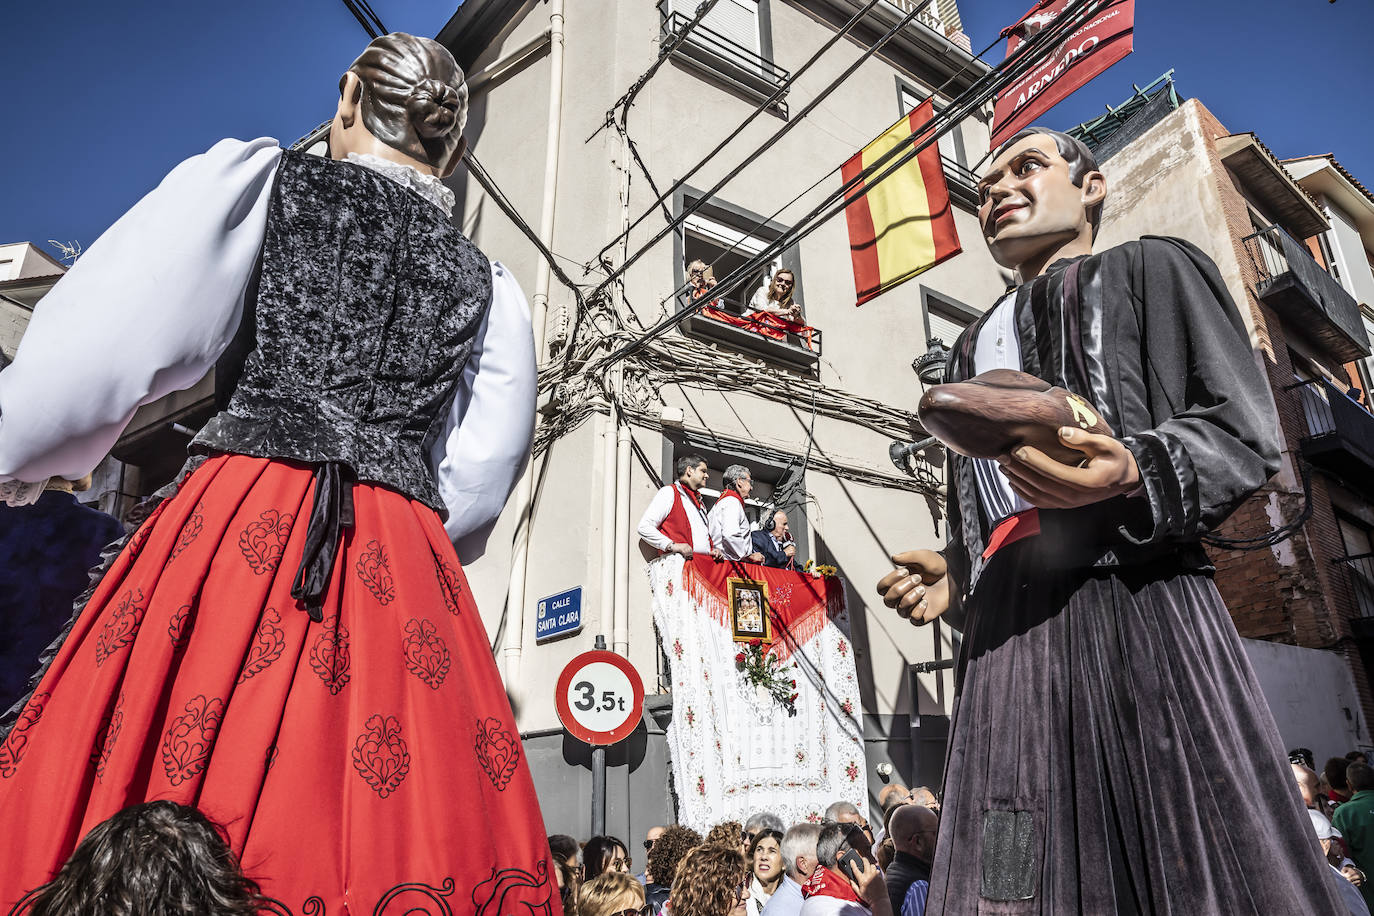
<point x="780" y="607"/>
<point x="1103" y="40"/>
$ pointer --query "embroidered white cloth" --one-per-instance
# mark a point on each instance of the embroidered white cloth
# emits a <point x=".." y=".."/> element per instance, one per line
<point x="734" y="749"/>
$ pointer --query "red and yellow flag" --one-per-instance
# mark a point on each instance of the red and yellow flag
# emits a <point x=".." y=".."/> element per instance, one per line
<point x="903" y="225"/>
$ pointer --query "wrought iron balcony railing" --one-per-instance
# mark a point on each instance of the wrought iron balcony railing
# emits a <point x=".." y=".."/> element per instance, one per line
<point x="1340" y="433"/>
<point x="1360" y="573"/>
<point x="1295" y="285"/>
<point x="722" y="56"/>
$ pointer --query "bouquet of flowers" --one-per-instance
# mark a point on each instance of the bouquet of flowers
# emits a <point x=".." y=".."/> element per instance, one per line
<point x="817" y="569"/>
<point x="762" y="669"/>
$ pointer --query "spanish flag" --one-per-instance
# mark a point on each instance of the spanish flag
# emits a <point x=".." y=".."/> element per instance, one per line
<point x="903" y="225"/>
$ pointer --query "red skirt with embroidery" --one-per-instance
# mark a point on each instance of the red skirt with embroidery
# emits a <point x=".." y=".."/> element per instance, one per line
<point x="367" y="763"/>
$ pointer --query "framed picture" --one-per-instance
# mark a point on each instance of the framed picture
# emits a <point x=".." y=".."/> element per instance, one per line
<point x="748" y="609"/>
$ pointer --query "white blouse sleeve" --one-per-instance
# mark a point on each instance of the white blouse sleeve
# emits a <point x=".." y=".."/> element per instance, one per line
<point x="144" y="312"/>
<point x="486" y="439"/>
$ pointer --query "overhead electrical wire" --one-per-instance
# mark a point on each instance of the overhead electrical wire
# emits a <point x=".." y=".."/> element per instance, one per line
<point x="759" y="109"/>
<point x="778" y="135"/>
<point x="366" y="16"/>
<point x="1027" y="56"/>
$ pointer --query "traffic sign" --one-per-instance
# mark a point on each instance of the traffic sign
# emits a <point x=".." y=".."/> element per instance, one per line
<point x="599" y="698"/>
<point x="558" y="615"/>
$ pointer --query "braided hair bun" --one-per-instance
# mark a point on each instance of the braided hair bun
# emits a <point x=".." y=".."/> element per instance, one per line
<point x="433" y="108"/>
<point x="414" y="96"/>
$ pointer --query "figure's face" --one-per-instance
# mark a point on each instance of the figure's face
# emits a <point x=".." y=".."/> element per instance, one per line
<point x="783" y="282"/>
<point x="780" y="530"/>
<point x="695" y="477"/>
<point x="767" y="860"/>
<point x="1028" y="204"/>
<point x="744" y="485"/>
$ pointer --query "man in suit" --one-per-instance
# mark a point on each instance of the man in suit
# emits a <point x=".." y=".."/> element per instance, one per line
<point x="775" y="543"/>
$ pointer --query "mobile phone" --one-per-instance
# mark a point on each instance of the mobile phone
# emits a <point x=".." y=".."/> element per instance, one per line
<point x="859" y="842"/>
<point x="851" y="863"/>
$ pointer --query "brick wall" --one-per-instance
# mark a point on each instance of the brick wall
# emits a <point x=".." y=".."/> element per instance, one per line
<point x="1293" y="592"/>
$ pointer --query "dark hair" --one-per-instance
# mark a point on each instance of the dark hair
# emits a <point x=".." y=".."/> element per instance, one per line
<point x="1352" y="755"/>
<point x="668" y="851"/>
<point x="1334" y="771"/>
<point x="1360" y="776"/>
<point x="564" y="847"/>
<point x="686" y="461"/>
<point x="598" y="853"/>
<point x="829" y="842"/>
<point x="414" y="96"/>
<point x="154" y="859"/>
<point x="1073" y="151"/>
<point x="759" y="838"/>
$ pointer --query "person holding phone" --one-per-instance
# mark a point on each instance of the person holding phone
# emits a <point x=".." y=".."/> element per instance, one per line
<point x="847" y="881"/>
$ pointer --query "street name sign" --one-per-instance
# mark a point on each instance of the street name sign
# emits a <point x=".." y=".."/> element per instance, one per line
<point x="558" y="615"/>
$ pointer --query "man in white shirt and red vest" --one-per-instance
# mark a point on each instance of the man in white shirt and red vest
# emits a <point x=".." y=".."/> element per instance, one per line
<point x="728" y="524"/>
<point x="675" y="521"/>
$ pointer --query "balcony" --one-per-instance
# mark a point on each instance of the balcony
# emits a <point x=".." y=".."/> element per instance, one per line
<point x="722" y="58"/>
<point x="1340" y="434"/>
<point x="800" y="351"/>
<point x="1359" y="571"/>
<point x="1309" y="299"/>
<point x="962" y="183"/>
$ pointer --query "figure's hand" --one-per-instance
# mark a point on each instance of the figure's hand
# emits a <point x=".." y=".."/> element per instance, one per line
<point x="717" y="554"/>
<point x="1108" y="470"/>
<point x="790" y="551"/>
<point x="754" y="557"/>
<point x="683" y="550"/>
<point x="1353" y="875"/>
<point x="868" y="883"/>
<point x="919" y="591"/>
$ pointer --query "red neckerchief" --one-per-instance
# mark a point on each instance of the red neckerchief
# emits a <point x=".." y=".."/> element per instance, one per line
<point x="825" y="883"/>
<point x="692" y="495"/>
<point x="728" y="493"/>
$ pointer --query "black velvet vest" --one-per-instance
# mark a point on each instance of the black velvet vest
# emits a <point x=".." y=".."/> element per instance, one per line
<point x="367" y="302"/>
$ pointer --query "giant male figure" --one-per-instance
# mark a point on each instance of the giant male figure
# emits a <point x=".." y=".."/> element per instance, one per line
<point x="1111" y="750"/>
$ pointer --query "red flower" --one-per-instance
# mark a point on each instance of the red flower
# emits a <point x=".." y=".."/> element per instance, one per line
<point x="794" y="683"/>
<point x="739" y="658"/>
<point x="793" y="698"/>
<point x="755" y="643"/>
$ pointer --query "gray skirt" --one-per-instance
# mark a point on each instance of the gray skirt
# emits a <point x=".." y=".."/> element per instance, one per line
<point x="1111" y="752"/>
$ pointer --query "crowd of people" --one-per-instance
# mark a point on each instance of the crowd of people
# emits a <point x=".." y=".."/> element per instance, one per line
<point x="1340" y="802"/>
<point x="840" y="866"/>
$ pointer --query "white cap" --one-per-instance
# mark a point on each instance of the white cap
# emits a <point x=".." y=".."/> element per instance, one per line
<point x="1323" y="826"/>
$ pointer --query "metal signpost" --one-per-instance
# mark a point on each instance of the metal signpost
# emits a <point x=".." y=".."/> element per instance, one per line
<point x="600" y="700"/>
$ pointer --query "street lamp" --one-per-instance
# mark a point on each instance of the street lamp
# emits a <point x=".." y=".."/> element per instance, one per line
<point x="930" y="370"/>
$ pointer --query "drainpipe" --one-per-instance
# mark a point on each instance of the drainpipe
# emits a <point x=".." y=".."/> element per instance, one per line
<point x="524" y="492"/>
<point x="608" y="522"/>
<point x="622" y="540"/>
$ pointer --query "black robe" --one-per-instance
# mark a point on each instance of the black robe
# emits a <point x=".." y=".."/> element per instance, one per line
<point x="1111" y="750"/>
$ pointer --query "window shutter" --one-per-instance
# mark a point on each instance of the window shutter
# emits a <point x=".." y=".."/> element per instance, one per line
<point x="945" y="327"/>
<point x="735" y="20"/>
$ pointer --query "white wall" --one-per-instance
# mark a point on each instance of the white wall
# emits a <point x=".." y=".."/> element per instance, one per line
<point x="1312" y="697"/>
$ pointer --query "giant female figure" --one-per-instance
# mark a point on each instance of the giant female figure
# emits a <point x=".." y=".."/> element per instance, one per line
<point x="288" y="642"/>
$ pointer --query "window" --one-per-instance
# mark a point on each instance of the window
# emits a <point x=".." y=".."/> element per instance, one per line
<point x="727" y="239"/>
<point x="952" y="143"/>
<point x="732" y="43"/>
<point x="1358" y="540"/>
<point x="946" y="318"/>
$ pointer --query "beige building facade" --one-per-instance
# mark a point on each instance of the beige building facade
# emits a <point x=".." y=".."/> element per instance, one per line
<point x="813" y="423"/>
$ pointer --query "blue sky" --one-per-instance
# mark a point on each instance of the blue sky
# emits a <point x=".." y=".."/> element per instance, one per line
<point x="102" y="99"/>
